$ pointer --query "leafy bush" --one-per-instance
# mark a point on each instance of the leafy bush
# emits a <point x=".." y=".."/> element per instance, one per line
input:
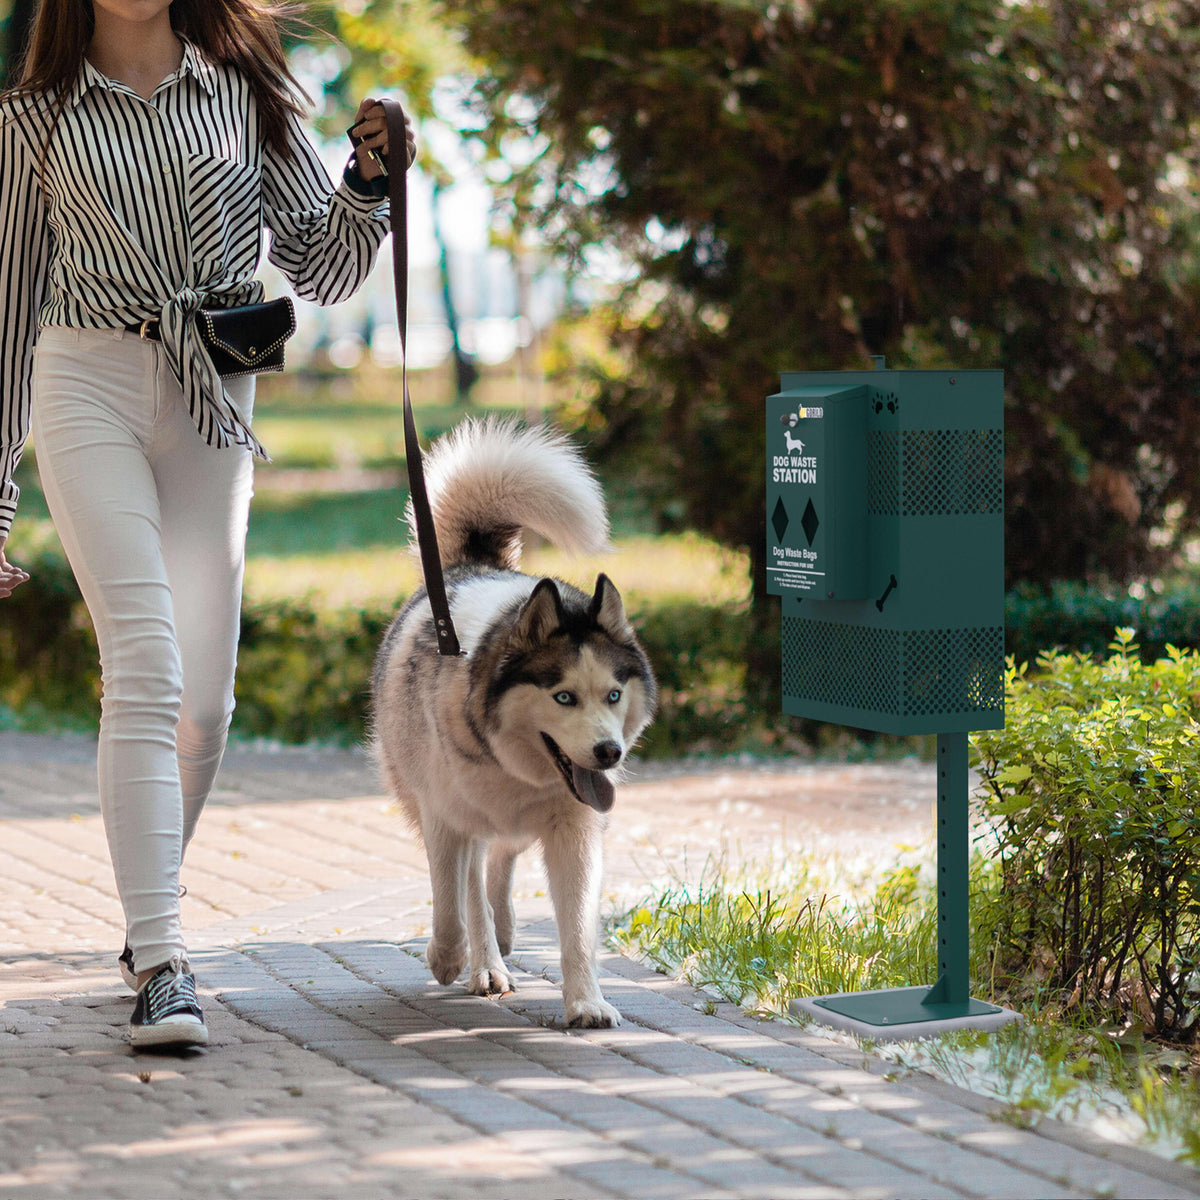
<point x="305" y="675"/>
<point x="699" y="656"/>
<point x="1091" y="791"/>
<point x="48" y="658"/>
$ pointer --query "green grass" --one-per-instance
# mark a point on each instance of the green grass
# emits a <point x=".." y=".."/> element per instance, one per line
<point x="811" y="931"/>
<point x="804" y="933"/>
<point x="1110" y="1080"/>
<point x="288" y="524"/>
<point x="354" y="418"/>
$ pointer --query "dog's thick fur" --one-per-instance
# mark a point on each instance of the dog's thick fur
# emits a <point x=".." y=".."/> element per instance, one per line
<point x="517" y="740"/>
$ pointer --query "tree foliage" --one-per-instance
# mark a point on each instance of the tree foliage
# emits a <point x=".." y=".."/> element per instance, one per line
<point x="379" y="46"/>
<point x="947" y="182"/>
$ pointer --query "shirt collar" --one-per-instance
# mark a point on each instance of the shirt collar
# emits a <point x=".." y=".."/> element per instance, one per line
<point x="87" y="78"/>
<point x="193" y="63"/>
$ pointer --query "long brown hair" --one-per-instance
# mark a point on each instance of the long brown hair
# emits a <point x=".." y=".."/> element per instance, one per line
<point x="244" y="33"/>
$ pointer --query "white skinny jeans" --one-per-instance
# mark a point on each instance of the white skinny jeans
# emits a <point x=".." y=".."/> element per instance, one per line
<point x="153" y="521"/>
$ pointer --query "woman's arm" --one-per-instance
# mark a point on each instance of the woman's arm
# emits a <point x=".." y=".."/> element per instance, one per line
<point x="323" y="238"/>
<point x="24" y="246"/>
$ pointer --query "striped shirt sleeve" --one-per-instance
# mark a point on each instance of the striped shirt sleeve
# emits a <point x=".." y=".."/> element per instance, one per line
<point x="24" y="242"/>
<point x="154" y="209"/>
<point x="323" y="239"/>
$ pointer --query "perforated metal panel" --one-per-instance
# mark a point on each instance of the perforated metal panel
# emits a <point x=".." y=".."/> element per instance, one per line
<point x="948" y="471"/>
<point x="954" y="671"/>
<point x="842" y="664"/>
<point x="915" y="673"/>
<point x="934" y="472"/>
<point x="883" y="472"/>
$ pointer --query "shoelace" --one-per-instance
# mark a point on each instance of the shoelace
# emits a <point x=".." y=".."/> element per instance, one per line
<point x="169" y="993"/>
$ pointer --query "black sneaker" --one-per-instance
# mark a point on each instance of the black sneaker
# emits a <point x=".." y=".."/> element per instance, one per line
<point x="166" y="1012"/>
<point x="125" y="962"/>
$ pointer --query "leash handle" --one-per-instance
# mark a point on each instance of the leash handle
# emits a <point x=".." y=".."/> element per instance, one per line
<point x="431" y="561"/>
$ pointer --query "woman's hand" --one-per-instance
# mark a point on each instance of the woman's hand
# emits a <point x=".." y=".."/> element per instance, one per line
<point x="371" y="125"/>
<point x="11" y="576"/>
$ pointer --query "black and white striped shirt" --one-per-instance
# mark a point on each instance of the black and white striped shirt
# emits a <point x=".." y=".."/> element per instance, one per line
<point x="155" y="209"/>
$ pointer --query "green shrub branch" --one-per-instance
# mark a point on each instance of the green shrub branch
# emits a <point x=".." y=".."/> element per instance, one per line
<point x="1091" y="792"/>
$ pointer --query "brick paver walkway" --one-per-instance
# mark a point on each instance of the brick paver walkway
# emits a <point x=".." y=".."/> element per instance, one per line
<point x="337" y="1068"/>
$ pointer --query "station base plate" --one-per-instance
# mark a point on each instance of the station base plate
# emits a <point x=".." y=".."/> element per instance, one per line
<point x="900" y="1014"/>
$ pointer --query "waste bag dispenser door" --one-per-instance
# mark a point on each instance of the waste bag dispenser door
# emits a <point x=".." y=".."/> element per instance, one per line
<point x="817" y="493"/>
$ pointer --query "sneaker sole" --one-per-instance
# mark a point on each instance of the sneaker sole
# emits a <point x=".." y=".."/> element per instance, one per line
<point x="180" y="1031"/>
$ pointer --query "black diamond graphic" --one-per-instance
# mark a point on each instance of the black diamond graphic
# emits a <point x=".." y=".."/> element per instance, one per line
<point x="779" y="519"/>
<point x="809" y="522"/>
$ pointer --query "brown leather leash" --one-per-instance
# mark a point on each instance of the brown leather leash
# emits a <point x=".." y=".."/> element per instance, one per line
<point x="431" y="562"/>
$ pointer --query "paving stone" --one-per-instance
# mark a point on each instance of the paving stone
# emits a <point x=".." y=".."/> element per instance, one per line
<point x="338" y="1067"/>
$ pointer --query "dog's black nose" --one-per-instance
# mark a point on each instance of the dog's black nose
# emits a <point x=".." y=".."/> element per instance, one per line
<point x="607" y="753"/>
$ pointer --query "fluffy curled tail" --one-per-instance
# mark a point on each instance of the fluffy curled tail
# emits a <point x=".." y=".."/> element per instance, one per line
<point x="489" y="479"/>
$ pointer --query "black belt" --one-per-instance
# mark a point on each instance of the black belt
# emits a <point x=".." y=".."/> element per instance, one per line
<point x="147" y="330"/>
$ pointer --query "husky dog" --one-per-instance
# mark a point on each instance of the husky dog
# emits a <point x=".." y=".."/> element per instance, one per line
<point x="517" y="739"/>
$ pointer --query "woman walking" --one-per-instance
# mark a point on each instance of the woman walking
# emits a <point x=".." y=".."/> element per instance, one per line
<point x="144" y="147"/>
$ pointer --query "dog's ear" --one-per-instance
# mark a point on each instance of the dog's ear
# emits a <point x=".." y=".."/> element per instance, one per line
<point x="540" y="615"/>
<point x="608" y="611"/>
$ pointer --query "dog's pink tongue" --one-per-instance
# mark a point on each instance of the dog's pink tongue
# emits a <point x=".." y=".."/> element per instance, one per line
<point x="593" y="787"/>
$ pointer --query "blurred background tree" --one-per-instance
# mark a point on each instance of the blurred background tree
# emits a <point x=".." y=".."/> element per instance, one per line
<point x="384" y="47"/>
<point x="17" y="18"/>
<point x="947" y="182"/>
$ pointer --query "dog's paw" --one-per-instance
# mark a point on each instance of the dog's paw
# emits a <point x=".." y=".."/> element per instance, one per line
<point x="490" y="981"/>
<point x="592" y="1014"/>
<point x="446" y="962"/>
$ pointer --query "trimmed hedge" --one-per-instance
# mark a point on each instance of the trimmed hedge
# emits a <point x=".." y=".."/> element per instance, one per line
<point x="1071" y="616"/>
<point x="304" y="673"/>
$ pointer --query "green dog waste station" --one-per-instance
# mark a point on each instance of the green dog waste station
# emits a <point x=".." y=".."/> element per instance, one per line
<point x="885" y="543"/>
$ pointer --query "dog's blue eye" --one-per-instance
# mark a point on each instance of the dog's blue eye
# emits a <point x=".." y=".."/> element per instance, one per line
<point x="614" y="695"/>
<point x="565" y="698"/>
